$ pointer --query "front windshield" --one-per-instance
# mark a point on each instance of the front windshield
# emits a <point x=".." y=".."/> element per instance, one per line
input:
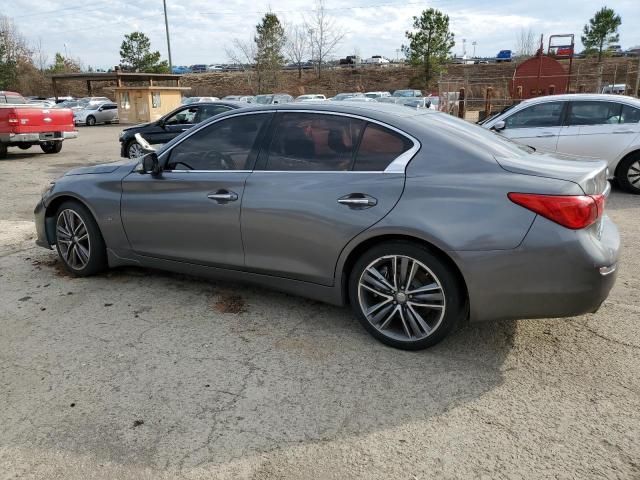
<point x="372" y="95"/>
<point x="494" y="115"/>
<point x="264" y="99"/>
<point x="403" y="93"/>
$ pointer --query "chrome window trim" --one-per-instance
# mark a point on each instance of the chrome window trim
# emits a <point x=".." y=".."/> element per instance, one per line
<point x="397" y="165"/>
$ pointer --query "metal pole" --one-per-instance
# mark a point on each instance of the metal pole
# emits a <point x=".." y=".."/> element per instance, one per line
<point x="166" y="25"/>
<point x="635" y="92"/>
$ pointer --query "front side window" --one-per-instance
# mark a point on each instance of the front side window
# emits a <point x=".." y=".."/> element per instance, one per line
<point x="594" y="113"/>
<point x="547" y="114"/>
<point x="184" y="116"/>
<point x="379" y="147"/>
<point x="313" y="142"/>
<point x="208" y="111"/>
<point x="630" y="114"/>
<point x="224" y="145"/>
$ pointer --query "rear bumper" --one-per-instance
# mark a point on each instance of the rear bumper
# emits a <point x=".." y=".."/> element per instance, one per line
<point x="556" y="272"/>
<point x="37" y="137"/>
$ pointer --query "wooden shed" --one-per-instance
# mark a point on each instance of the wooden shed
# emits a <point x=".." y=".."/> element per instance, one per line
<point x="141" y="97"/>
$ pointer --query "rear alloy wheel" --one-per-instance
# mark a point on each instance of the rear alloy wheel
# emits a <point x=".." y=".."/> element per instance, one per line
<point x="405" y="296"/>
<point x="628" y="174"/>
<point x="91" y="121"/>
<point x="51" y="147"/>
<point x="78" y="240"/>
<point x="134" y="150"/>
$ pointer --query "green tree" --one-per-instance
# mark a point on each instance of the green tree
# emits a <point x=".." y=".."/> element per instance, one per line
<point x="8" y="67"/>
<point x="62" y="64"/>
<point x="270" y="41"/>
<point x="136" y="55"/>
<point x="430" y="43"/>
<point x="601" y="30"/>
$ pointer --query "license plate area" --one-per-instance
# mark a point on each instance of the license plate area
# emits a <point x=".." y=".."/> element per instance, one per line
<point x="50" y="136"/>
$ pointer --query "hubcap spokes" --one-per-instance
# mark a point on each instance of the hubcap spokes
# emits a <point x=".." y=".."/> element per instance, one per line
<point x="633" y="174"/>
<point x="135" y="150"/>
<point x="73" y="239"/>
<point x="401" y="297"/>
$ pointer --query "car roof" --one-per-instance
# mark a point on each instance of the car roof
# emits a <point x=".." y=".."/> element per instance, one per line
<point x="581" y="96"/>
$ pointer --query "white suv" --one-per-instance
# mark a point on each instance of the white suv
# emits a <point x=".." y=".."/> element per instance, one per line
<point x="583" y="125"/>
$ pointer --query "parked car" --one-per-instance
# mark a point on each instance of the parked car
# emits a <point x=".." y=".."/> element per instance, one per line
<point x="376" y="95"/>
<point x="72" y="104"/>
<point x="504" y="56"/>
<point x="171" y="125"/>
<point x="273" y="98"/>
<point x="396" y="231"/>
<point x="215" y="68"/>
<point x="180" y="70"/>
<point x="23" y="125"/>
<point x="190" y="100"/>
<point x="94" y="113"/>
<point x="599" y="126"/>
<point x="350" y="60"/>
<point x="407" y="93"/>
<point x="199" y="68"/>
<point x="345" y="96"/>
<point x="376" y="60"/>
<point x="311" y="97"/>
<point x="93" y="100"/>
<point x="42" y="103"/>
<point x="240" y="98"/>
<point x="618" y="88"/>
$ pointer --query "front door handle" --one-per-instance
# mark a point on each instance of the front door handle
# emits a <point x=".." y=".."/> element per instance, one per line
<point x="358" y="200"/>
<point x="545" y="135"/>
<point x="623" y="131"/>
<point x="223" y="196"/>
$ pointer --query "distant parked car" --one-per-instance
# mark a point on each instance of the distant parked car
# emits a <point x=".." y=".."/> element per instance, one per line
<point x="273" y="98"/>
<point x="375" y="95"/>
<point x="504" y="56"/>
<point x="180" y="70"/>
<point x="199" y="68"/>
<point x="606" y="127"/>
<point x="407" y="93"/>
<point x="214" y="68"/>
<point x="345" y="96"/>
<point x="189" y="100"/>
<point x="42" y="103"/>
<point x="376" y="60"/>
<point x="617" y="89"/>
<point x="72" y="104"/>
<point x="311" y="97"/>
<point x="94" y="113"/>
<point x="240" y="98"/>
<point x="171" y="125"/>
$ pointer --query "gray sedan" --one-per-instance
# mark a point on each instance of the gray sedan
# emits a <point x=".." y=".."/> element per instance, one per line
<point x="418" y="220"/>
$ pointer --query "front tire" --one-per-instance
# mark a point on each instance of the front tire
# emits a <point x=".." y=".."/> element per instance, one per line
<point x="628" y="174"/>
<point x="51" y="147"/>
<point x="405" y="296"/>
<point x="91" y="121"/>
<point x="79" y="242"/>
<point x="134" y="150"/>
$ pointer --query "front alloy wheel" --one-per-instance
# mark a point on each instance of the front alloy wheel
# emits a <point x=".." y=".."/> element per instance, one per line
<point x="406" y="296"/>
<point x="134" y="150"/>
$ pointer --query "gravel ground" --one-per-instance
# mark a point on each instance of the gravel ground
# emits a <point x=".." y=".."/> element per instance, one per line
<point x="138" y="374"/>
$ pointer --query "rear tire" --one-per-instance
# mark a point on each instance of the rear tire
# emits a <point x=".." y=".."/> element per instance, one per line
<point x="78" y="240"/>
<point x="51" y="147"/>
<point x="91" y="121"/>
<point x="628" y="173"/>
<point x="414" y="308"/>
<point x="24" y="147"/>
<point x="3" y="150"/>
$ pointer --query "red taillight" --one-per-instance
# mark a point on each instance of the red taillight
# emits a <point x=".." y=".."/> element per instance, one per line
<point x="13" y="119"/>
<point x="571" y="211"/>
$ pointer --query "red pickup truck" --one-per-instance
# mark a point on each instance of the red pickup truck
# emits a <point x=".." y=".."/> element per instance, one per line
<point x="23" y="125"/>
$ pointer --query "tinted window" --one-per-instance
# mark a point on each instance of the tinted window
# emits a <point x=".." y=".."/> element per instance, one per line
<point x="109" y="107"/>
<point x="379" y="147"/>
<point x="224" y="145"/>
<point x="630" y="115"/>
<point x="541" y="115"/>
<point x="307" y="141"/>
<point x="208" y="111"/>
<point x="594" y="113"/>
<point x="16" y="100"/>
<point x="185" y="116"/>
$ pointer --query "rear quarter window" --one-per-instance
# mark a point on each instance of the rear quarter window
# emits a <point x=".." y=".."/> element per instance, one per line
<point x="379" y="147"/>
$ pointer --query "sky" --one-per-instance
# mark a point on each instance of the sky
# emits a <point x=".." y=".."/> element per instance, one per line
<point x="202" y="30"/>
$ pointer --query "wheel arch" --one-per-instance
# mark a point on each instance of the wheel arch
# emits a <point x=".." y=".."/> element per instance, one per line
<point x="368" y="243"/>
<point x="52" y="208"/>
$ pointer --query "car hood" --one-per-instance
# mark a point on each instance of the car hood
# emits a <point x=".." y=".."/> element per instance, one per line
<point x="101" y="168"/>
<point x="137" y="126"/>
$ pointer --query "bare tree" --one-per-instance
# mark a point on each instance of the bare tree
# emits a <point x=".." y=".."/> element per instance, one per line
<point x="526" y="42"/>
<point x="324" y="34"/>
<point x="40" y="58"/>
<point x="297" y="46"/>
<point x="243" y="53"/>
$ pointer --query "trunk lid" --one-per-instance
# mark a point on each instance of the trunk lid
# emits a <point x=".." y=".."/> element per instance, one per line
<point x="35" y="119"/>
<point x="591" y="175"/>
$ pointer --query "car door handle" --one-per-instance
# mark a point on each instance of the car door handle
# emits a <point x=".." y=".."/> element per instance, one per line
<point x="626" y="130"/>
<point x="545" y="135"/>
<point x="358" y="200"/>
<point x="223" y="196"/>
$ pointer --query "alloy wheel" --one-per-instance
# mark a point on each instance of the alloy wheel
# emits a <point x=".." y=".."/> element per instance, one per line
<point x="633" y="174"/>
<point x="135" y="150"/>
<point x="401" y="297"/>
<point x="73" y="239"/>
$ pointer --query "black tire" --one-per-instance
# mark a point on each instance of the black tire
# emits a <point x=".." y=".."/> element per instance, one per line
<point x="97" y="261"/>
<point x="451" y="291"/>
<point x="24" y="147"/>
<point x="90" y="121"/>
<point x="628" y="173"/>
<point x="51" y="147"/>
<point x="132" y="145"/>
<point x="3" y="150"/>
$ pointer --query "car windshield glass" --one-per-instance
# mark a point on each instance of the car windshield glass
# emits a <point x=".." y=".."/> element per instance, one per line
<point x="264" y="99"/>
<point x="494" y="115"/>
<point x="371" y="95"/>
<point x="403" y="93"/>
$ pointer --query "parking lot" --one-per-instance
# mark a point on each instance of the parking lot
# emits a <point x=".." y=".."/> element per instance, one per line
<point x="139" y="374"/>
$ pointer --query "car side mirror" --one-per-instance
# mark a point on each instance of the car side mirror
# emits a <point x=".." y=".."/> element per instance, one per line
<point x="150" y="164"/>
<point x="500" y="125"/>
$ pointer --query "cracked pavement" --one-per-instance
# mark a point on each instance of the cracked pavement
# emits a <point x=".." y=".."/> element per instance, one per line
<point x="139" y="374"/>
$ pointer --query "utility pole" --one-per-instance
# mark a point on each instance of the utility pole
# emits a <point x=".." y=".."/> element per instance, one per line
<point x="635" y="92"/>
<point x="474" y="43"/>
<point x="166" y="25"/>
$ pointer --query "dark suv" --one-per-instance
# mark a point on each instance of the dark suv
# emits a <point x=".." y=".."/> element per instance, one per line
<point x="171" y="125"/>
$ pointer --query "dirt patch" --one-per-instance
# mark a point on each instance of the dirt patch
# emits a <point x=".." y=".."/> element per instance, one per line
<point x="55" y="264"/>
<point x="229" y="303"/>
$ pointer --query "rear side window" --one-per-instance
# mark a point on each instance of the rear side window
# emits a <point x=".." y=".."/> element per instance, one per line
<point x="379" y="147"/>
<point x="15" y="100"/>
<point x="547" y="114"/>
<point x="208" y="111"/>
<point x="630" y="114"/>
<point x="313" y="142"/>
<point x="594" y="113"/>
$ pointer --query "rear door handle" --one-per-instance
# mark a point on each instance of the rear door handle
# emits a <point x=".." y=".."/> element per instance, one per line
<point x="223" y="196"/>
<point x="545" y="135"/>
<point x="358" y="200"/>
<point x="623" y="131"/>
